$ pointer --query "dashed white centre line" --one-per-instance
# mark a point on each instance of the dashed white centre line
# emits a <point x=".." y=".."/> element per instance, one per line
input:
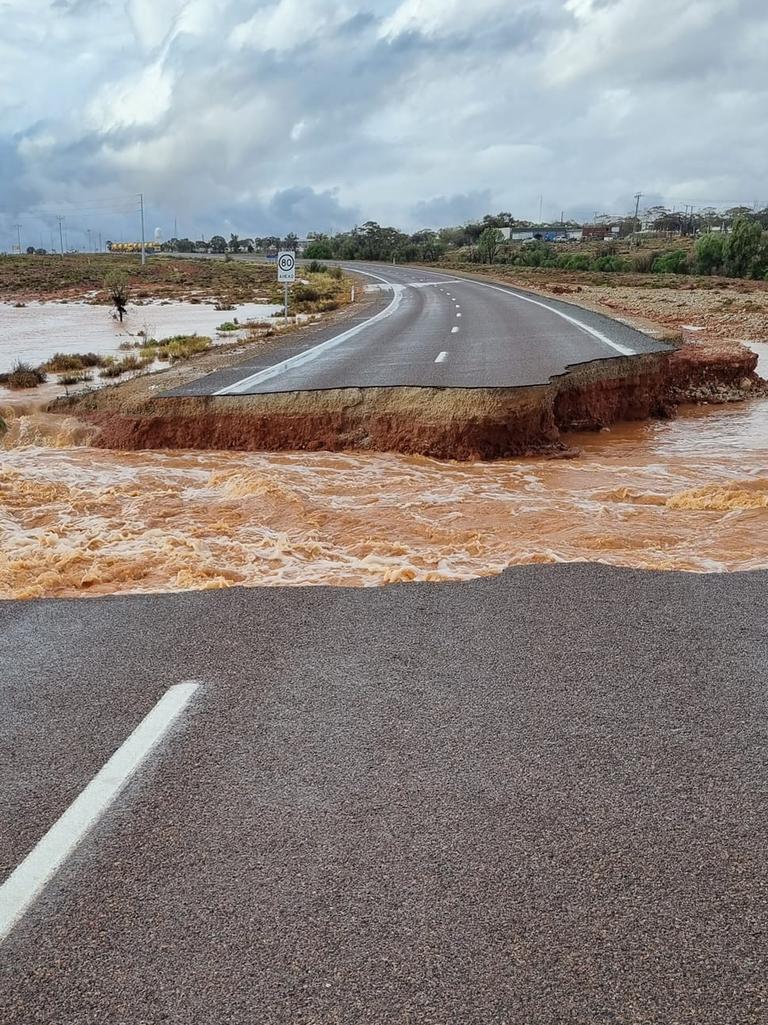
<point x="26" y="881"/>
<point x="454" y="330"/>
<point x="458" y="314"/>
<point x="442" y="357"/>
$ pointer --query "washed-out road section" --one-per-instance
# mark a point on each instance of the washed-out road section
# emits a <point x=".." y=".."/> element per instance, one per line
<point x="539" y="798"/>
<point x="429" y="329"/>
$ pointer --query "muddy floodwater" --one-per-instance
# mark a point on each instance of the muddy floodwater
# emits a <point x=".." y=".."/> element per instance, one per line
<point x="689" y="494"/>
<point x="33" y="333"/>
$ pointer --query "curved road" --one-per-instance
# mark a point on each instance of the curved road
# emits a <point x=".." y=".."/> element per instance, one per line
<point x="429" y="329"/>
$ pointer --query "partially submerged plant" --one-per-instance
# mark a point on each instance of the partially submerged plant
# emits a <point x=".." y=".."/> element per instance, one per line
<point x="24" y="375"/>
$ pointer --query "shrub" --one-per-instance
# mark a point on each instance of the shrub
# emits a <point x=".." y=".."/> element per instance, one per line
<point x="579" y="261"/>
<point x="314" y="267"/>
<point x="608" y="263"/>
<point x="24" y="375"/>
<point x="61" y="362"/>
<point x="75" y="377"/>
<point x="229" y="325"/>
<point x="305" y="293"/>
<point x="642" y="263"/>
<point x="336" y="272"/>
<point x="112" y="370"/>
<point x="182" y="347"/>
<point x="673" y="262"/>
<point x="130" y="363"/>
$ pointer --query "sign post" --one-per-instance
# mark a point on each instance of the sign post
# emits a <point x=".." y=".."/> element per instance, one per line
<point x="286" y="272"/>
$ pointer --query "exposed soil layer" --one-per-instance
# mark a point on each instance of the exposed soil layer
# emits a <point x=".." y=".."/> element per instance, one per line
<point x="443" y="423"/>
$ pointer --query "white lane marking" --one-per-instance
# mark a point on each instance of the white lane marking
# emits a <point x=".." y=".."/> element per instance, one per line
<point x="442" y="357"/>
<point x="241" y="386"/>
<point x="623" y="349"/>
<point x="458" y="314"/>
<point x="27" y="880"/>
<point x="454" y="330"/>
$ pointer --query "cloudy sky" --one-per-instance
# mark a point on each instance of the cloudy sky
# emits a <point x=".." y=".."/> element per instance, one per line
<point x="261" y="116"/>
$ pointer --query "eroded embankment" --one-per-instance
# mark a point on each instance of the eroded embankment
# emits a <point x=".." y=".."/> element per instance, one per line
<point x="443" y="423"/>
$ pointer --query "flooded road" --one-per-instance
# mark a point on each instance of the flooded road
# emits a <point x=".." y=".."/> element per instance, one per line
<point x="690" y="494"/>
<point x="34" y="332"/>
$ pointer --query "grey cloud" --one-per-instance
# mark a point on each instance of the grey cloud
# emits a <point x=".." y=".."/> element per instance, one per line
<point x="448" y="210"/>
<point x="417" y="129"/>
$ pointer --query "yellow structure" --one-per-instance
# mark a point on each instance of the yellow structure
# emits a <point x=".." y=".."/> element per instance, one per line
<point x="134" y="247"/>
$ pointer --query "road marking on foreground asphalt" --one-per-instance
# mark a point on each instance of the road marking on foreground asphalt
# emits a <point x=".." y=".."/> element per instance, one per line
<point x="623" y="349"/>
<point x="309" y="354"/>
<point x="26" y="882"/>
<point x="454" y="330"/>
<point x="442" y="357"/>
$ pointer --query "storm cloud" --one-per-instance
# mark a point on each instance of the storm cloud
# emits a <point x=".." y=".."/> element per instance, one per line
<point x="269" y="116"/>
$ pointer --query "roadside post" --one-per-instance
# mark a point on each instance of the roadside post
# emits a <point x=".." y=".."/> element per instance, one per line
<point x="286" y="272"/>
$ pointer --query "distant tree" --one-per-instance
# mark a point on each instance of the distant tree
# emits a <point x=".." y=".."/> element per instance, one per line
<point x="736" y="213"/>
<point x="488" y="244"/>
<point x="218" y="244"/>
<point x="499" y="220"/>
<point x="234" y="244"/>
<point x="119" y="292"/>
<point x="744" y="249"/>
<point x="319" y="250"/>
<point x="671" y="221"/>
<point x="30" y="250"/>
<point x="290" y="241"/>
<point x="710" y="253"/>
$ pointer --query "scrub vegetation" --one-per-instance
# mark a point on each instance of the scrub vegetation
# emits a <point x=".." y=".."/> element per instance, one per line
<point x="23" y="375"/>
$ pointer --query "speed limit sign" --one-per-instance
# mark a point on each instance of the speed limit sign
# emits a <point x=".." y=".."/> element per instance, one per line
<point x="286" y="266"/>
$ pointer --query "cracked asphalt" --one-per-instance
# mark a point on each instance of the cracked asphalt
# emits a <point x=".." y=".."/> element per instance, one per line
<point x="532" y="799"/>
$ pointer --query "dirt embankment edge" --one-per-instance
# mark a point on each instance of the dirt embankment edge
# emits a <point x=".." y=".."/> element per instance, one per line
<point x="442" y="423"/>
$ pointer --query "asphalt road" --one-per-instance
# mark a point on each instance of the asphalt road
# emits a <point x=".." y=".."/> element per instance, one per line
<point x="533" y="799"/>
<point x="433" y="330"/>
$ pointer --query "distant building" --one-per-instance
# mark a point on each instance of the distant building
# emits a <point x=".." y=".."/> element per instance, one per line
<point x="600" y="232"/>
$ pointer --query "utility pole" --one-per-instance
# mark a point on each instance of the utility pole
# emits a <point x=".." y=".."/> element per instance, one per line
<point x="18" y="236"/>
<point x="143" y="250"/>
<point x="61" y="234"/>
<point x="90" y="248"/>
<point x="541" y="207"/>
<point x="638" y="197"/>
<point x="99" y="241"/>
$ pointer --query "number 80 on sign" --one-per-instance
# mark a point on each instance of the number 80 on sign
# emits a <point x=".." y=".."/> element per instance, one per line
<point x="286" y="266"/>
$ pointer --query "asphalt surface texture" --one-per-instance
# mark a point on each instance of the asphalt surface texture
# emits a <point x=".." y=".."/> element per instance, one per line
<point x="430" y="329"/>
<point x="532" y="799"/>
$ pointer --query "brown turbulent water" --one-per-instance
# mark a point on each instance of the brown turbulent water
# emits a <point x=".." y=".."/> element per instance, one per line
<point x="691" y="494"/>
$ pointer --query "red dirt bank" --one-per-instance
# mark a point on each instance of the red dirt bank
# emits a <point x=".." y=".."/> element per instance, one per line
<point x="443" y="423"/>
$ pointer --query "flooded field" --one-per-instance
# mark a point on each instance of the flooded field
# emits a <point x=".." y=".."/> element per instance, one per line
<point x="690" y="494"/>
<point x="33" y="333"/>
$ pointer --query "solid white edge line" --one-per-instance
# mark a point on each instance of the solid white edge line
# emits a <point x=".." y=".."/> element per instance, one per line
<point x="442" y="357"/>
<point x="26" y="881"/>
<point x="239" y="387"/>
<point x="572" y="320"/>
